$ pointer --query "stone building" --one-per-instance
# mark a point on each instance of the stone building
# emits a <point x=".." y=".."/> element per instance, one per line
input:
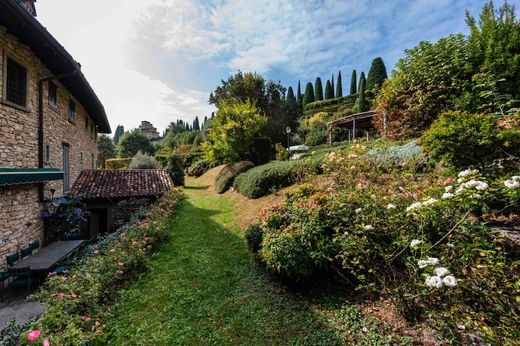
<point x="49" y="121"/>
<point x="149" y="130"/>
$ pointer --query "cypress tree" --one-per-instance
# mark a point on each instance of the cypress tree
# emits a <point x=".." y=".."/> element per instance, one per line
<point x="299" y="94"/>
<point x="377" y="74"/>
<point x="196" y="125"/>
<point x="353" y="83"/>
<point x="329" y="93"/>
<point x="362" y="102"/>
<point x="362" y="78"/>
<point x="339" y="87"/>
<point x="290" y="95"/>
<point x="332" y="85"/>
<point x="318" y="90"/>
<point x="117" y="134"/>
<point x="308" y="97"/>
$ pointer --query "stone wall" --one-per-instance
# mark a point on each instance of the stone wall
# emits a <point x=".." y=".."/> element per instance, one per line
<point x="19" y="145"/>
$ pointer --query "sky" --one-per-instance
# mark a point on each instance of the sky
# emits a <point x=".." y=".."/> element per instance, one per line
<point x="158" y="60"/>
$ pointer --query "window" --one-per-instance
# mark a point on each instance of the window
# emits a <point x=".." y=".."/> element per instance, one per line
<point x="72" y="111"/>
<point x="53" y="94"/>
<point x="93" y="162"/>
<point x="86" y="124"/>
<point x="16" y="83"/>
<point x="66" y="168"/>
<point x="92" y="130"/>
<point x="47" y="153"/>
<point x="81" y="158"/>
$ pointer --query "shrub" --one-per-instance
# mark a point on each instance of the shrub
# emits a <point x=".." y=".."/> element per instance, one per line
<point x="254" y="236"/>
<point x="316" y="136"/>
<point x="124" y="210"/>
<point x="261" y="180"/>
<point x="350" y="99"/>
<point x="282" y="153"/>
<point x="143" y="161"/>
<point x="198" y="168"/>
<point x="261" y="150"/>
<point x="227" y="175"/>
<point x="463" y="139"/>
<point x="175" y="168"/>
<point x="76" y="303"/>
<point x="117" y="163"/>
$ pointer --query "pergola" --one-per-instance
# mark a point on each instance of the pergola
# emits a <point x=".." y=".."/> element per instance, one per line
<point x="354" y="123"/>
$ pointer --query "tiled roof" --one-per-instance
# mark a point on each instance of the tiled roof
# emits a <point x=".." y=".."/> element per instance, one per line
<point x="113" y="183"/>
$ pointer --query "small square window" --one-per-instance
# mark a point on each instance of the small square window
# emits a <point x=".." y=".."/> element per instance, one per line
<point x="16" y="83"/>
<point x="72" y="111"/>
<point x="86" y="124"/>
<point x="81" y="158"/>
<point x="53" y="94"/>
<point x="93" y="162"/>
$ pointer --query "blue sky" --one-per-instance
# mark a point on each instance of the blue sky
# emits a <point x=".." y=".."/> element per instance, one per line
<point x="158" y="60"/>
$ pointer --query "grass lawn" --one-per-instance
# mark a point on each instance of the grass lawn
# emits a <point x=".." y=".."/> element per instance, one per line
<point x="205" y="288"/>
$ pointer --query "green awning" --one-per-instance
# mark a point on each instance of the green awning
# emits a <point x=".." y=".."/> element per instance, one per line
<point x="16" y="176"/>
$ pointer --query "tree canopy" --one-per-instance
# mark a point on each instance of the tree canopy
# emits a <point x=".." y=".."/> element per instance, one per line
<point x="377" y="74"/>
<point x="353" y="83"/>
<point x="133" y="141"/>
<point x="308" y="97"/>
<point x="339" y="86"/>
<point x="106" y="150"/>
<point x="329" y="93"/>
<point x="318" y="90"/>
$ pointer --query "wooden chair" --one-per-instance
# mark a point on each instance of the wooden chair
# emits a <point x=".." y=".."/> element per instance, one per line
<point x="12" y="258"/>
<point x="35" y="245"/>
<point x="21" y="277"/>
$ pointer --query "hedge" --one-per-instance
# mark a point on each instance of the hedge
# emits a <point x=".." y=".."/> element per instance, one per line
<point x="334" y="101"/>
<point x="261" y="180"/>
<point x="118" y="163"/>
<point x="227" y="175"/>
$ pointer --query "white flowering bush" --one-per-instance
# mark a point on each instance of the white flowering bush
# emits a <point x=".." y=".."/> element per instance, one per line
<point x="420" y="238"/>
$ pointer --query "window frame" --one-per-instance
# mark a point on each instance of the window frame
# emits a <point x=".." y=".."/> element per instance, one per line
<point x="53" y="105"/>
<point x="72" y="111"/>
<point x="4" y="100"/>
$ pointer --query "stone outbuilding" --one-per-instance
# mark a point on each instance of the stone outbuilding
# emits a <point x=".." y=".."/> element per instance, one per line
<point x="49" y="121"/>
<point x="102" y="189"/>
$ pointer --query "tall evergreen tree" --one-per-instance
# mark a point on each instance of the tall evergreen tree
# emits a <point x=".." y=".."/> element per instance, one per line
<point x="362" y="101"/>
<point x="290" y="95"/>
<point x="196" y="124"/>
<point x="299" y="93"/>
<point x="318" y="90"/>
<point x="329" y="93"/>
<point x="377" y="74"/>
<point x="332" y="85"/>
<point x="339" y="87"/>
<point x="308" y="97"/>
<point x="362" y="78"/>
<point x="117" y="134"/>
<point x="353" y="83"/>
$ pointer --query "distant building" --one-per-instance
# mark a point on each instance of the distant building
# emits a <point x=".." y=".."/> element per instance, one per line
<point x="149" y="130"/>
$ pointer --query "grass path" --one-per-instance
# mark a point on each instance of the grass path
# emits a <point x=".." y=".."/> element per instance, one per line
<point x="204" y="288"/>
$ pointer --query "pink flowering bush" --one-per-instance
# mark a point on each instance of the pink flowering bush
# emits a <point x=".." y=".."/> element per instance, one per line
<point x="75" y="303"/>
<point x="418" y="236"/>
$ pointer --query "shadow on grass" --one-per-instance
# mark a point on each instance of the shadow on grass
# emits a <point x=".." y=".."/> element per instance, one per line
<point x="204" y="287"/>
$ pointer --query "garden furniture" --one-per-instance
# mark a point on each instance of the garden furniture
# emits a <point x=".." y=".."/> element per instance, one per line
<point x="21" y="277"/>
<point x="35" y="245"/>
<point x="47" y="257"/>
<point x="12" y="258"/>
<point x="27" y="251"/>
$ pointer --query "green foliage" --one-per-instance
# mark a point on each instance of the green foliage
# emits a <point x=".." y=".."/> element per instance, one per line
<point x="339" y="86"/>
<point x="76" y="303"/>
<point x="132" y="142"/>
<point x="299" y="96"/>
<point x="282" y="153"/>
<point x="329" y="93"/>
<point x="118" y="133"/>
<point x="318" y="90"/>
<point x="261" y="150"/>
<point x="233" y="130"/>
<point x="175" y="167"/>
<point x="290" y="95"/>
<point x="261" y="180"/>
<point x="254" y="236"/>
<point x="464" y="139"/>
<point x="227" y="175"/>
<point x="316" y="136"/>
<point x="198" y="168"/>
<point x="353" y="83"/>
<point x="143" y="161"/>
<point x="350" y="99"/>
<point x="106" y="150"/>
<point x="121" y="163"/>
<point x="377" y="74"/>
<point x="308" y="97"/>
<point x="362" y="103"/>
<point x="361" y="79"/>
<point x="126" y="209"/>
<point x="242" y="87"/>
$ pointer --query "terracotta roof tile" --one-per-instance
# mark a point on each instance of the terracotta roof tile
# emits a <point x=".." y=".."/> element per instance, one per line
<point x="113" y="183"/>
